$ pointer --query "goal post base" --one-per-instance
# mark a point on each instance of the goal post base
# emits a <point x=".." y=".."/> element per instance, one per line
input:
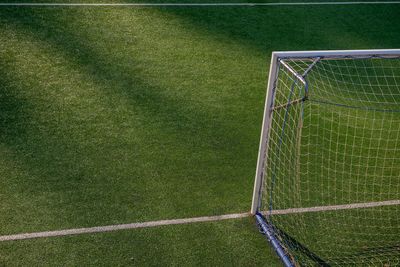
<point x="269" y="233"/>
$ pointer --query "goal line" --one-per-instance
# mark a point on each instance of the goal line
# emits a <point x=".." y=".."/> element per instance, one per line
<point x="117" y="227"/>
<point x="204" y="4"/>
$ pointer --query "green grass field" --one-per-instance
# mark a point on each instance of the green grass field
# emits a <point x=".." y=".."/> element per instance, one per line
<point x="116" y="115"/>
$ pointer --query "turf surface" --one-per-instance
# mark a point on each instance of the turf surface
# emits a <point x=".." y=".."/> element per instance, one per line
<point x="227" y="243"/>
<point x="118" y="115"/>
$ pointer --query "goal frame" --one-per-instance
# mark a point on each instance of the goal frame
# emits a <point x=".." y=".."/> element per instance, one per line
<point x="277" y="57"/>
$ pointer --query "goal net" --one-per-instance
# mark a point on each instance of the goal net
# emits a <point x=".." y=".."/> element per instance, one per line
<point x="327" y="189"/>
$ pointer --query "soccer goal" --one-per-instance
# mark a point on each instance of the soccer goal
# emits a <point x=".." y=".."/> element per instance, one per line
<point x="327" y="185"/>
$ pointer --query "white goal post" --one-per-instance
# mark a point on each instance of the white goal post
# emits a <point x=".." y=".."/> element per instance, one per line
<point x="340" y="109"/>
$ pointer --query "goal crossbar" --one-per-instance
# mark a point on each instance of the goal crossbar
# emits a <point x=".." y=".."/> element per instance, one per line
<point x="336" y="54"/>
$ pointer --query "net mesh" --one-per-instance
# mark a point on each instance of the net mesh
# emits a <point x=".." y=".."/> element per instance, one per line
<point x="334" y="140"/>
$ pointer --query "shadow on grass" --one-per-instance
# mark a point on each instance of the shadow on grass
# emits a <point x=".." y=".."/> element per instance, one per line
<point x="57" y="161"/>
<point x="53" y="158"/>
<point x="280" y="28"/>
<point x="171" y="112"/>
<point x="13" y="110"/>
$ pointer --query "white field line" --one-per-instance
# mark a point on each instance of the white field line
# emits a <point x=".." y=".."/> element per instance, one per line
<point x="335" y="207"/>
<point x="110" y="228"/>
<point x="204" y="4"/>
